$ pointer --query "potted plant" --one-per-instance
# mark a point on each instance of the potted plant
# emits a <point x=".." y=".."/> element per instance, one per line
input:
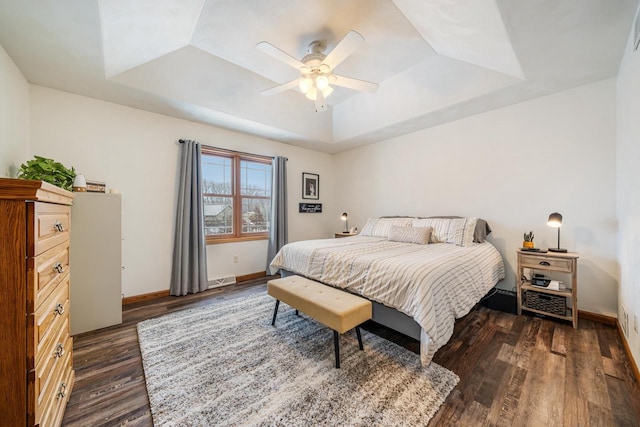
<point x="528" y="240"/>
<point x="48" y="170"/>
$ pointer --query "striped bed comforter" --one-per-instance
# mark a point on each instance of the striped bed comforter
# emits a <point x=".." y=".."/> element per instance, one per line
<point x="434" y="284"/>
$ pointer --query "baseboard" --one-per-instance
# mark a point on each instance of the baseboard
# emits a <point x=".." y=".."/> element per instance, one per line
<point x="251" y="276"/>
<point x="596" y="317"/>
<point x="161" y="294"/>
<point x="145" y="297"/>
<point x="627" y="350"/>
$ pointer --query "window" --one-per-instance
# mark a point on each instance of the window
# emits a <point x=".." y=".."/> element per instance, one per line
<point x="237" y="195"/>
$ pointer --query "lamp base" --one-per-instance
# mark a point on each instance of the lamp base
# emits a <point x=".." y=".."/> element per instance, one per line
<point x="557" y="250"/>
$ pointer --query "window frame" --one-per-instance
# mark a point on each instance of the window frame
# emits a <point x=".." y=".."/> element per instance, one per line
<point x="236" y="195"/>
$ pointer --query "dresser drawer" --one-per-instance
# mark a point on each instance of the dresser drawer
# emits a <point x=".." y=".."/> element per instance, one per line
<point x="44" y="325"/>
<point x="53" y="356"/>
<point x="50" y="226"/>
<point x="44" y="272"/>
<point x="547" y="263"/>
<point x="45" y="380"/>
<point x="51" y="406"/>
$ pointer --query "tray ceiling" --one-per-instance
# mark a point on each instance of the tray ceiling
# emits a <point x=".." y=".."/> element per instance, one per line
<point x="435" y="61"/>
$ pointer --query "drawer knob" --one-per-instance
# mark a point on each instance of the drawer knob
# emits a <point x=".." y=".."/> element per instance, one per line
<point x="59" y="268"/>
<point x="544" y="263"/>
<point x="59" y="350"/>
<point x="58" y="226"/>
<point x="59" y="309"/>
<point x="62" y="391"/>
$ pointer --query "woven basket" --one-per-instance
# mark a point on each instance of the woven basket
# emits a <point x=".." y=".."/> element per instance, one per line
<point x="545" y="302"/>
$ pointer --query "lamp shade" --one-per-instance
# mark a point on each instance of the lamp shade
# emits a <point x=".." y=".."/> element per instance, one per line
<point x="555" y="220"/>
<point x="346" y="223"/>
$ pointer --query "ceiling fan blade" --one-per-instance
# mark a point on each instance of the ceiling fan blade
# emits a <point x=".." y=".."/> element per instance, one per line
<point x="280" y="88"/>
<point x="280" y="55"/>
<point x="321" y="105"/>
<point x="355" y="84"/>
<point x="352" y="41"/>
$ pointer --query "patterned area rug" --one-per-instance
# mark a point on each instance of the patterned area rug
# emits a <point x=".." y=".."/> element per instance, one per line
<point x="224" y="364"/>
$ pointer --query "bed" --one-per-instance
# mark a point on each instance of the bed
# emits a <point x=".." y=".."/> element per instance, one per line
<point x="419" y="285"/>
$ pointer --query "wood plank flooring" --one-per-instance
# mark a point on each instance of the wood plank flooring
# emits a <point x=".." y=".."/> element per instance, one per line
<point x="514" y="370"/>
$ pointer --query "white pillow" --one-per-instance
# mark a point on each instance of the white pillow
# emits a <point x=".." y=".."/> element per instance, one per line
<point x="419" y="235"/>
<point x="458" y="231"/>
<point x="379" y="227"/>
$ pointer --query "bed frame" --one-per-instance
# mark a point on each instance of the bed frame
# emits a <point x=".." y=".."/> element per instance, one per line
<point x="386" y="316"/>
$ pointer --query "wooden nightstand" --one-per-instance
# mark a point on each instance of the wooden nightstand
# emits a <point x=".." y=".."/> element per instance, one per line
<point x="343" y="234"/>
<point x="562" y="304"/>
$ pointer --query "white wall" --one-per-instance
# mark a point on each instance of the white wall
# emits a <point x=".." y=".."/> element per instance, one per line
<point x="512" y="166"/>
<point x="627" y="186"/>
<point x="137" y="153"/>
<point x="14" y="117"/>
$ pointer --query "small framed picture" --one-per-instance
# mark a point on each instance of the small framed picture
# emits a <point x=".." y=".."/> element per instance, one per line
<point x="310" y="186"/>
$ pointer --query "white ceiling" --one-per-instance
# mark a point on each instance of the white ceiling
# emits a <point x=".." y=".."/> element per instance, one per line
<point x="435" y="60"/>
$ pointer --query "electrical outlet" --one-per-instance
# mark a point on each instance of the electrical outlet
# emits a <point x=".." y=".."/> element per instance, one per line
<point x="635" y="322"/>
<point x="235" y="259"/>
<point x="625" y="321"/>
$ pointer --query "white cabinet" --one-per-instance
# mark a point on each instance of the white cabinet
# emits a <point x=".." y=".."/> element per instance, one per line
<point x="96" y="254"/>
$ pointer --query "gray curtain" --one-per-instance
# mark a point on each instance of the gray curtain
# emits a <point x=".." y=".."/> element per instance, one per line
<point x="278" y="227"/>
<point x="189" y="272"/>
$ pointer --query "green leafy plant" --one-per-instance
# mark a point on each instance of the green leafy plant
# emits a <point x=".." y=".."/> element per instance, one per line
<point x="48" y="170"/>
<point x="528" y="237"/>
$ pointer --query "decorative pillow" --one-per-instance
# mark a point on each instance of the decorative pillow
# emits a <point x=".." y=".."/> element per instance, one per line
<point x="419" y="235"/>
<point x="379" y="227"/>
<point x="482" y="228"/>
<point x="458" y="231"/>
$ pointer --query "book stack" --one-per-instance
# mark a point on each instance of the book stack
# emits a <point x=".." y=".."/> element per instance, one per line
<point x="96" y="187"/>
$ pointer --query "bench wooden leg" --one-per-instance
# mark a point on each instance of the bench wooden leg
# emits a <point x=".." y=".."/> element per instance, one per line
<point x="275" y="313"/>
<point x="359" y="338"/>
<point x="336" y="344"/>
<point x="297" y="314"/>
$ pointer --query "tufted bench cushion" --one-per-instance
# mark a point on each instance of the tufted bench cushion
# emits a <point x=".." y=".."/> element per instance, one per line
<point x="339" y="310"/>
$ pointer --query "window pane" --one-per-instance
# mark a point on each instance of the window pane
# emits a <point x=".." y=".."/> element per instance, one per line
<point x="255" y="215"/>
<point x="216" y="174"/>
<point x="255" y="179"/>
<point x="218" y="215"/>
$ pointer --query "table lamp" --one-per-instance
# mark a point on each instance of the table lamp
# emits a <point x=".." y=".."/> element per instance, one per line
<point x="346" y="223"/>
<point x="555" y="220"/>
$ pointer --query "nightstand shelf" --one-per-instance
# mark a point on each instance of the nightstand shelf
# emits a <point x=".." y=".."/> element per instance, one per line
<point x="565" y="263"/>
<point x="526" y="286"/>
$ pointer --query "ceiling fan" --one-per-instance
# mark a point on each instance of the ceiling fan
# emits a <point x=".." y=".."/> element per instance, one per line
<point x="316" y="69"/>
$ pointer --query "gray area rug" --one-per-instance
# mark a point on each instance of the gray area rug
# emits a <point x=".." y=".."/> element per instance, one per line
<point x="224" y="364"/>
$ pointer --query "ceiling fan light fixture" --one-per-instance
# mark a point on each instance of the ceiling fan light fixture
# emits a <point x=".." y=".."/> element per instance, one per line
<point x="322" y="82"/>
<point x="316" y="69"/>
<point x="312" y="93"/>
<point x="305" y="84"/>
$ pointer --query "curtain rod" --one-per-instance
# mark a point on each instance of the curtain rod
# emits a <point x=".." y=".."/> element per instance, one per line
<point x="181" y="141"/>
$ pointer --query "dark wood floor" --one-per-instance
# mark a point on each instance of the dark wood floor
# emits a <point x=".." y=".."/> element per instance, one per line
<point x="514" y="370"/>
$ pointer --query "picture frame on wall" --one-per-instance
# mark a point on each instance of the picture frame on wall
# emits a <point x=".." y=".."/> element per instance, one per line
<point x="310" y="186"/>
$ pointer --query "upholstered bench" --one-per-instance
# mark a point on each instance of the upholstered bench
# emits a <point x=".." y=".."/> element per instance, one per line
<point x="339" y="310"/>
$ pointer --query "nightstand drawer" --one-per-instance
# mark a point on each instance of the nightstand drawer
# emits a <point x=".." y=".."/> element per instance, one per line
<point x="547" y="263"/>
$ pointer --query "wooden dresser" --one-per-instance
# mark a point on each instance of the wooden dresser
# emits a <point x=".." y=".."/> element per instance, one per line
<point x="36" y="361"/>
